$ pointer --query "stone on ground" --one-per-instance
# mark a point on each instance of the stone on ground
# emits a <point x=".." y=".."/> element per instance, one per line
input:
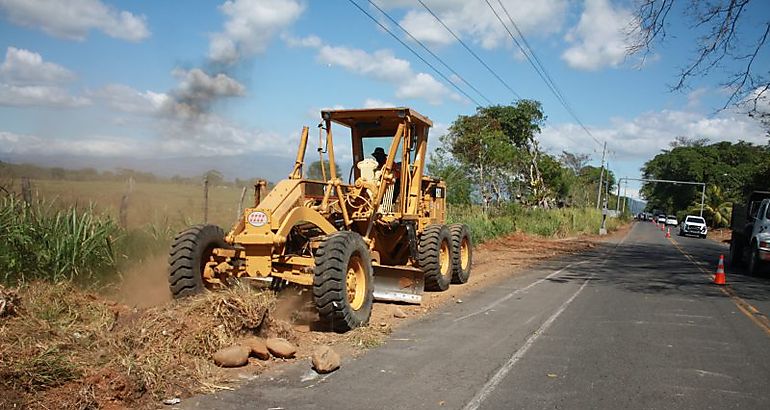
<point x="233" y="356"/>
<point x="281" y="348"/>
<point x="257" y="346"/>
<point x="325" y="359"/>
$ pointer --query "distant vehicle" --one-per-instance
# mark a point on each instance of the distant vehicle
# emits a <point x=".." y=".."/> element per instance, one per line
<point x="671" y="220"/>
<point x="750" y="241"/>
<point x="693" y="225"/>
<point x="661" y="218"/>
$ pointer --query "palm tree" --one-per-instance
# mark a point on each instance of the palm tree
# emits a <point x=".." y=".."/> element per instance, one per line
<point x="716" y="209"/>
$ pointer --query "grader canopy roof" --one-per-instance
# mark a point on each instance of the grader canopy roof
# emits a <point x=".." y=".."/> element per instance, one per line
<point x="380" y="117"/>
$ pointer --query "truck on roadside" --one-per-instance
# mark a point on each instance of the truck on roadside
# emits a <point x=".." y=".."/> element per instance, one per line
<point x="750" y="241"/>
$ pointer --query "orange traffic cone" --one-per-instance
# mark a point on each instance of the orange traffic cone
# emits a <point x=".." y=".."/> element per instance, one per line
<point x="668" y="233"/>
<point x="719" y="277"/>
<point x="662" y="227"/>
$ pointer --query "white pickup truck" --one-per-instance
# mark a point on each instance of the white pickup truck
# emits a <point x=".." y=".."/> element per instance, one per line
<point x="693" y="225"/>
<point x="750" y="241"/>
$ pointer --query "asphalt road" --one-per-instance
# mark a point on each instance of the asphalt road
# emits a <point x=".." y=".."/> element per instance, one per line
<point x="632" y="325"/>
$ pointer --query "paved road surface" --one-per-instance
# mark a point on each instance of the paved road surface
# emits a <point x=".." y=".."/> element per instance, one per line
<point x="633" y="325"/>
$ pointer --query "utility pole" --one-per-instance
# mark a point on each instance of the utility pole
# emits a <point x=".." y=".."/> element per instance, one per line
<point x="601" y="176"/>
<point x="625" y="195"/>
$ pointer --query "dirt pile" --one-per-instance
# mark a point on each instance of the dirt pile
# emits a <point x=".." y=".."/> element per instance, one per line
<point x="71" y="349"/>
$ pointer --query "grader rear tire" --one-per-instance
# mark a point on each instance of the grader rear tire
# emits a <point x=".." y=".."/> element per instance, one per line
<point x="343" y="282"/>
<point x="434" y="257"/>
<point x="462" y="253"/>
<point x="190" y="251"/>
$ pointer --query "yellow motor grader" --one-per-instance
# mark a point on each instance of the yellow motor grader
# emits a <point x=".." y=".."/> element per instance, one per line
<point x="380" y="235"/>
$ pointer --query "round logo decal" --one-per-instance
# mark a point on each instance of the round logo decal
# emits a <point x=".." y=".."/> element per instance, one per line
<point x="257" y="218"/>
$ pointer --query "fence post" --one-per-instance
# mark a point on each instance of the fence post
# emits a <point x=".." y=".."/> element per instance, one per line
<point x="26" y="190"/>
<point x="206" y="199"/>
<point x="123" y="211"/>
<point x="239" y="213"/>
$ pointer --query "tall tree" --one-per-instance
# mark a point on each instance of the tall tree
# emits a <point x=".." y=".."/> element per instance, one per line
<point x="314" y="171"/>
<point x="574" y="162"/>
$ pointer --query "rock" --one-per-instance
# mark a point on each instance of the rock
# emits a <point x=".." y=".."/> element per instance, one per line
<point x="459" y="301"/>
<point x="172" y="401"/>
<point x="325" y="360"/>
<point x="233" y="356"/>
<point x="398" y="313"/>
<point x="281" y="348"/>
<point x="257" y="346"/>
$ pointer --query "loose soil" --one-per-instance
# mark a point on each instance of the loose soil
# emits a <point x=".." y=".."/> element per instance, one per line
<point x="135" y="348"/>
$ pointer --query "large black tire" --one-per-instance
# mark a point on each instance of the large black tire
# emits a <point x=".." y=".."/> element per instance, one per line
<point x="342" y="301"/>
<point x="190" y="251"/>
<point x="735" y="256"/>
<point x="755" y="265"/>
<point x="434" y="257"/>
<point x="462" y="253"/>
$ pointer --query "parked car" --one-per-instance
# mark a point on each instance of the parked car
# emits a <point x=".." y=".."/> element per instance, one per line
<point x="671" y="220"/>
<point x="661" y="218"/>
<point x="693" y="225"/>
<point x="750" y="224"/>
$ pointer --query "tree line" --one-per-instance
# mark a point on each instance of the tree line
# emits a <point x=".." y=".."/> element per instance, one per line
<point x="729" y="170"/>
<point x="10" y="172"/>
<point x="493" y="157"/>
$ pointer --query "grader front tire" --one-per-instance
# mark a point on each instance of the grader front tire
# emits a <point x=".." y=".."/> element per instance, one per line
<point x="343" y="282"/>
<point x="434" y="256"/>
<point x="462" y="253"/>
<point x="190" y="251"/>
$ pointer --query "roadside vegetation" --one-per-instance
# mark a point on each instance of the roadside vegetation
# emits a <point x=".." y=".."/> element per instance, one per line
<point x="730" y="172"/>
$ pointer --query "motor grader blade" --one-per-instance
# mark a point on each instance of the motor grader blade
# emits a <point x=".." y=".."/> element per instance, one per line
<point x="398" y="284"/>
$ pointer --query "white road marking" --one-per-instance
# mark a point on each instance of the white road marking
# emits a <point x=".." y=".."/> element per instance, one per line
<point x="513" y="293"/>
<point x="503" y="371"/>
<point x="490" y="385"/>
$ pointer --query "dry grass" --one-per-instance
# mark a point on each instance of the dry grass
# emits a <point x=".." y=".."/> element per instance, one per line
<point x="81" y="351"/>
<point x="158" y="204"/>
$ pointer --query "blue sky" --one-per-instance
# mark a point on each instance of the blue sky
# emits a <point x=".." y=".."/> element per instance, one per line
<point x="191" y="86"/>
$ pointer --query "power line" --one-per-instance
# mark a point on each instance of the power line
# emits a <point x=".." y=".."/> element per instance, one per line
<point x="452" y="83"/>
<point x="470" y="51"/>
<point x="429" y="51"/>
<point x="548" y="81"/>
<point x="566" y="103"/>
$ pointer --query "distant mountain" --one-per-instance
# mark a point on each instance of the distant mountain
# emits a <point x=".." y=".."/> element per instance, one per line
<point x="272" y="168"/>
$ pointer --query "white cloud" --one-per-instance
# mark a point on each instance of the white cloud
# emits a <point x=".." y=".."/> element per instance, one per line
<point x="38" y="95"/>
<point x="249" y="27"/>
<point x="11" y="143"/>
<point x="124" y="98"/>
<point x="599" y="39"/>
<point x="309" y="41"/>
<point x="73" y="19"/>
<point x="643" y="137"/>
<point x="474" y="20"/>
<point x="26" y="80"/>
<point x="424" y="86"/>
<point x="375" y="103"/>
<point x="382" y="65"/>
<point x="207" y="137"/>
<point x="27" y="67"/>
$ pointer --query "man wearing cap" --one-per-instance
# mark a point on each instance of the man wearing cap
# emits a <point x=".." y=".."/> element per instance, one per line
<point x="381" y="157"/>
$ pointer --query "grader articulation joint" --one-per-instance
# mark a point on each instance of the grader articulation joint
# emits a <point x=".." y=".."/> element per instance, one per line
<point x="381" y="235"/>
